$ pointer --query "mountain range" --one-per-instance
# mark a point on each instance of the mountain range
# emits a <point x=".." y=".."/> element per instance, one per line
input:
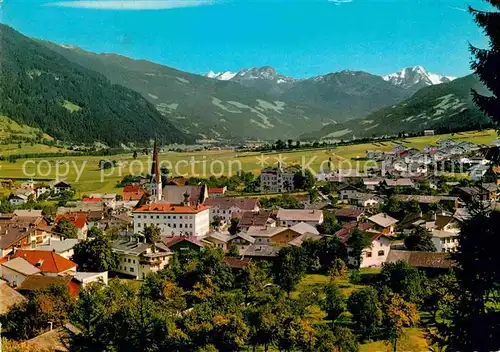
<point x="78" y="95"/>
<point x="444" y="107"/>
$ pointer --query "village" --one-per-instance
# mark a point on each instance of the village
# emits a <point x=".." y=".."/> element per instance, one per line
<point x="408" y="195"/>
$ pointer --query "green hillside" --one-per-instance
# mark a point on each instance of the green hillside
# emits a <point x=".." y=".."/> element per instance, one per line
<point x="444" y="107"/>
<point x="351" y="94"/>
<point x="42" y="89"/>
<point x="205" y="107"/>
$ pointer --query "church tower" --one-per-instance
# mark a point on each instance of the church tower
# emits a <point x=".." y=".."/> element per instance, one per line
<point x="155" y="182"/>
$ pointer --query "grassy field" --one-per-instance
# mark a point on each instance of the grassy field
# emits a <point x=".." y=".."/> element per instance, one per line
<point x="10" y="128"/>
<point x="86" y="177"/>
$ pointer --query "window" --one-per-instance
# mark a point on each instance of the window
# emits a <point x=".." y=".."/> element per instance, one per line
<point x="157" y="216"/>
<point x="139" y="224"/>
<point x="190" y="226"/>
<point x="180" y="217"/>
<point x="138" y="216"/>
<point x="128" y="260"/>
<point x="174" y="226"/>
<point x="168" y="217"/>
<point x="131" y="270"/>
<point x="133" y="261"/>
<point x="381" y="253"/>
<point x="368" y="254"/>
<point x="173" y="217"/>
<point x="151" y="217"/>
<point x="180" y="226"/>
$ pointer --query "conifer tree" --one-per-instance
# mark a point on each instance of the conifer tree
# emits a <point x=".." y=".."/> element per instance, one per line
<point x="486" y="62"/>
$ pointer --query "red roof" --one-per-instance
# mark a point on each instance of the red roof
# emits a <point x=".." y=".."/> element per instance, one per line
<point x="132" y="188"/>
<point x="46" y="261"/>
<point x="171" y="208"/>
<point x="349" y="213"/>
<point x="346" y="231"/>
<point x="132" y="192"/>
<point x="92" y="200"/>
<point x="216" y="190"/>
<point x="77" y="219"/>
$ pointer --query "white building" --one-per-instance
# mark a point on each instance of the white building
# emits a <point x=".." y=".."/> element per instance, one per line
<point x="85" y="278"/>
<point x="445" y="241"/>
<point x="291" y="217"/>
<point x="376" y="254"/>
<point x="225" y="208"/>
<point x="18" y="199"/>
<point x="16" y="270"/>
<point x="173" y="220"/>
<point x="137" y="259"/>
<point x="276" y="180"/>
<point x="63" y="247"/>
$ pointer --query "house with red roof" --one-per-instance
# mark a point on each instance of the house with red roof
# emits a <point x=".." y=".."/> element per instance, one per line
<point x="49" y="263"/>
<point x="80" y="220"/>
<point x="173" y="219"/>
<point x="133" y="192"/>
<point x="215" y="192"/>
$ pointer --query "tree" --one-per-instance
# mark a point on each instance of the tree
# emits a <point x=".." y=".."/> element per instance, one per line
<point x="486" y="62"/>
<point x="151" y="233"/>
<point x="402" y="279"/>
<point x="280" y="145"/>
<point x="66" y="229"/>
<point x="334" y="304"/>
<point x="365" y="309"/>
<point x="290" y="143"/>
<point x="233" y="227"/>
<point x="313" y="194"/>
<point x="358" y="241"/>
<point x="216" y="222"/>
<point x="420" y="240"/>
<point x="30" y="318"/>
<point x="289" y="267"/>
<point x="475" y="321"/>
<point x="330" y="225"/>
<point x="391" y="206"/>
<point x="95" y="255"/>
<point x="232" y="250"/>
<point x="304" y="179"/>
<point x="253" y="280"/>
<point x="338" y="269"/>
<point x="135" y="154"/>
<point x="338" y="339"/>
<point x="399" y="314"/>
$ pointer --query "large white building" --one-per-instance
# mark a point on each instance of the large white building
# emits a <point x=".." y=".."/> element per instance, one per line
<point x="173" y="220"/>
<point x="276" y="180"/>
<point x="137" y="259"/>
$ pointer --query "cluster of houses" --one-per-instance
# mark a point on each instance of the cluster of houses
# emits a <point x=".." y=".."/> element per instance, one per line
<point x="29" y="190"/>
<point x="34" y="255"/>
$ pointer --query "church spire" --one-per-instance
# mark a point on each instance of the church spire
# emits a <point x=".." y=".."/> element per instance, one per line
<point x="156" y="186"/>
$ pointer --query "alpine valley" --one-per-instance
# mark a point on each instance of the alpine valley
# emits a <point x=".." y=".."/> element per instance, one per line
<point x="147" y="99"/>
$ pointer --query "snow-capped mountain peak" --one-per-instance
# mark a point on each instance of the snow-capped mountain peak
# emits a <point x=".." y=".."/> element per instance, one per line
<point x="223" y="76"/>
<point x="254" y="73"/>
<point x="410" y="77"/>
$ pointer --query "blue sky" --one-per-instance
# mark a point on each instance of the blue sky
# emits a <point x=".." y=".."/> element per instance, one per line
<point x="301" y="38"/>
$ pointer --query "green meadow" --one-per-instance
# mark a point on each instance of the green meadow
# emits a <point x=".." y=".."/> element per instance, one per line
<point x="84" y="174"/>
